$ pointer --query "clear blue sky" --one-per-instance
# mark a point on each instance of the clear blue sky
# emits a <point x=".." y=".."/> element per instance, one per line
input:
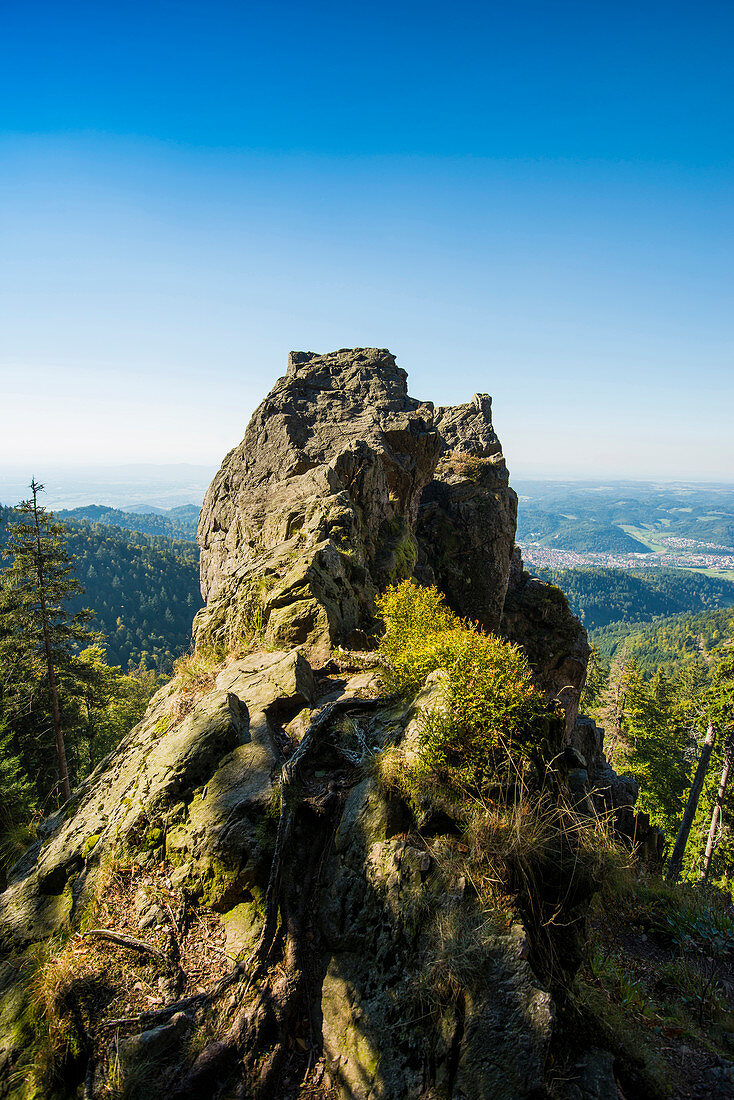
<point x="532" y="199"/>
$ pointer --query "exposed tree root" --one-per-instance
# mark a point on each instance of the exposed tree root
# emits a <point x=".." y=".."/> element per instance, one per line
<point x="293" y="788"/>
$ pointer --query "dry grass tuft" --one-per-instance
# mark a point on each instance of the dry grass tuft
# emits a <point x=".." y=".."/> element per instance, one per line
<point x="196" y="673"/>
<point x="527" y="834"/>
<point x="458" y="942"/>
<point x="392" y="771"/>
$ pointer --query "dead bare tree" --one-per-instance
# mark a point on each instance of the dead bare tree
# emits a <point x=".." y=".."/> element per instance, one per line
<point x="718" y="811"/>
<point x="676" y="859"/>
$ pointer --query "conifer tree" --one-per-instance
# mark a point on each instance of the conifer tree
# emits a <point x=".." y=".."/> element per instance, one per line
<point x="37" y="634"/>
<point x="17" y="803"/>
<point x="595" y="684"/>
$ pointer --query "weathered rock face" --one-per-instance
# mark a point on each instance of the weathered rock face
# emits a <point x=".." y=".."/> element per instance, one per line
<point x="247" y="801"/>
<point x="184" y="807"/>
<point x="316" y="508"/>
<point x="343" y="484"/>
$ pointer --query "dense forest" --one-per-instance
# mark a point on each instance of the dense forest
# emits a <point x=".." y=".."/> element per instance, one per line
<point x="603" y="596"/>
<point x="654" y="697"/>
<point x="63" y="706"/>
<point x="664" y="643"/>
<point x="143" y="589"/>
<point x="661" y="651"/>
<point x="653" y="671"/>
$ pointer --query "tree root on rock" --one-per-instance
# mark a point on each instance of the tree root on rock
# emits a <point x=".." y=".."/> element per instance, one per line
<point x="257" y="1041"/>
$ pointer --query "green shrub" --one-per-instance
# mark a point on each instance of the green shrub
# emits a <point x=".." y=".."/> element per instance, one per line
<point x="489" y="710"/>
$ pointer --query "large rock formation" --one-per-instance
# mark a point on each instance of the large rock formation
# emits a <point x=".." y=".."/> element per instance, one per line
<point x="285" y="900"/>
<point x="315" y="510"/>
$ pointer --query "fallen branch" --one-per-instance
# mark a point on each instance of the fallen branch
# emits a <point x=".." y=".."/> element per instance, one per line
<point x="174" y="924"/>
<point x="125" y="941"/>
<point x="150" y="1017"/>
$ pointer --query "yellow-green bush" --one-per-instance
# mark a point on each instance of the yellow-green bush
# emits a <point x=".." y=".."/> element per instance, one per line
<point x="416" y="623"/>
<point x="490" y="707"/>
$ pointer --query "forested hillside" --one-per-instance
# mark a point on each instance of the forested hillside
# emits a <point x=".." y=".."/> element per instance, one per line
<point x="603" y="596"/>
<point x="664" y="643"/>
<point x="143" y="589"/>
<point x="176" y="523"/>
<point x="560" y="532"/>
<point x="653" y="687"/>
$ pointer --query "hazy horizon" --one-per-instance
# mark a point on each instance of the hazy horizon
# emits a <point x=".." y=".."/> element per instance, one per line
<point x="169" y="485"/>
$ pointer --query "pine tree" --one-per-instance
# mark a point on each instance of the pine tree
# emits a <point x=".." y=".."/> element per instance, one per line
<point x="659" y="744"/>
<point x="597" y="677"/>
<point x="17" y="803"/>
<point x="38" y="636"/>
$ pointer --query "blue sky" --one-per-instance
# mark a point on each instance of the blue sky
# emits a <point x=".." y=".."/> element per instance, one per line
<point x="530" y="199"/>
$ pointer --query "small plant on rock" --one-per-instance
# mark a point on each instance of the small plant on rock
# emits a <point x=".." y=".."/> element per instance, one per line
<point x="490" y="709"/>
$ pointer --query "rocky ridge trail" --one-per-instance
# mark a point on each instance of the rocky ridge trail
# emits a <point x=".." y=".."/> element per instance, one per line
<point x="246" y="803"/>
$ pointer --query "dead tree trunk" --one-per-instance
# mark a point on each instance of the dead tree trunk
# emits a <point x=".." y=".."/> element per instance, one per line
<point x="676" y="860"/>
<point x="716" y="816"/>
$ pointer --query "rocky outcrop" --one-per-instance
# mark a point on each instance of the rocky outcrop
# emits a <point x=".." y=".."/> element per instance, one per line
<point x="315" y="510"/>
<point x="246" y="805"/>
<point x="358" y="890"/>
<point x="494" y="1042"/>
<point x="343" y="484"/>
<point x="467" y="516"/>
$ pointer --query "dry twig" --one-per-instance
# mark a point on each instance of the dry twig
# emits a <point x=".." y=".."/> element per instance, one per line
<point x="124" y="941"/>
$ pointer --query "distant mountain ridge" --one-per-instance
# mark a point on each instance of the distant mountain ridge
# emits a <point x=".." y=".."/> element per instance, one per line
<point x="175" y="523"/>
<point x="133" y="487"/>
